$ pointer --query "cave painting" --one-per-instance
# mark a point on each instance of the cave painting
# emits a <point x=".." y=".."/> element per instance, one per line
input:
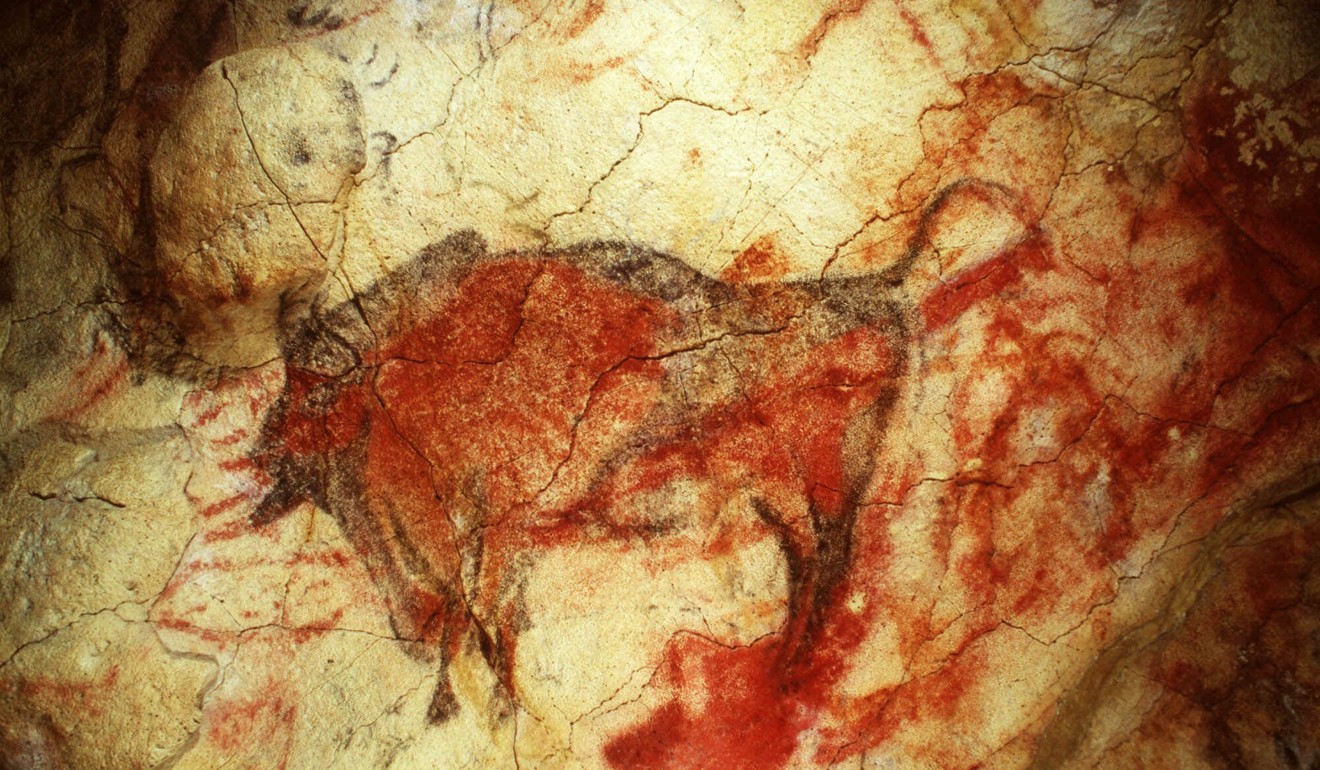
<point x="477" y="412"/>
<point x="478" y="409"/>
<point x="758" y="385"/>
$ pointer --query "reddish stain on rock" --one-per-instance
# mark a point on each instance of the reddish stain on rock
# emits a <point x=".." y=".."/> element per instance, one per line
<point x="263" y="720"/>
<point x="762" y="260"/>
<point x="831" y="15"/>
<point x="586" y="16"/>
<point x="91" y="697"/>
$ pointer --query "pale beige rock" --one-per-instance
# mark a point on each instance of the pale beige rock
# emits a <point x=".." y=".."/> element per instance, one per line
<point x="68" y="502"/>
<point x="245" y="189"/>
<point x="103" y="692"/>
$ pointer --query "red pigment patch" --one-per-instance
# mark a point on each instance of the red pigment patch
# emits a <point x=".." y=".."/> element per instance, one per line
<point x="918" y="33"/>
<point x="988" y="279"/>
<point x="105" y="373"/>
<point x="264" y="721"/>
<point x="87" y="698"/>
<point x="748" y="720"/>
<point x="590" y="12"/>
<point x="838" y="10"/>
<point x="760" y="261"/>
<point x="215" y="509"/>
<point x="503" y="393"/>
<point x="1259" y="181"/>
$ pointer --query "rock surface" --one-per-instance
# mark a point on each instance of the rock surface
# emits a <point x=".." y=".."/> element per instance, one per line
<point x="846" y="384"/>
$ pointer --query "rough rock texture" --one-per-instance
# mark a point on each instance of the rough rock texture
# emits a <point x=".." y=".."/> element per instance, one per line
<point x="856" y="384"/>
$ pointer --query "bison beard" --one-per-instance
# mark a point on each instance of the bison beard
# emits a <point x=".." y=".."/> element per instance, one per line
<point x="473" y="408"/>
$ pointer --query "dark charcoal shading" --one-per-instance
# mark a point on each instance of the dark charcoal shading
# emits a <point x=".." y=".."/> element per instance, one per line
<point x="299" y="152"/>
<point x="304" y="17"/>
